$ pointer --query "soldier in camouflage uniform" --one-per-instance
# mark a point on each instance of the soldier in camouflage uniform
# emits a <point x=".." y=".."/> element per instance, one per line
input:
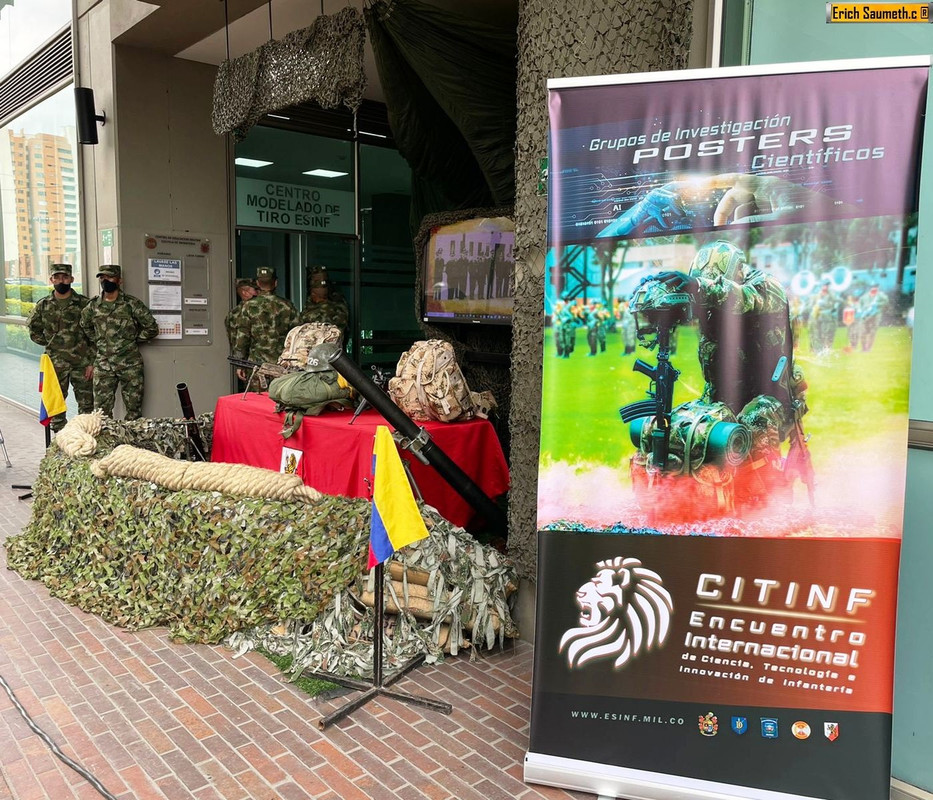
<point x="744" y="327"/>
<point x="595" y="328"/>
<point x="627" y="324"/>
<point x="824" y="312"/>
<point x="325" y="303"/>
<point x="567" y="329"/>
<point x="871" y="307"/>
<point x="246" y="290"/>
<point x="55" y="323"/>
<point x="556" y="324"/>
<point x="117" y="323"/>
<point x="264" y="323"/>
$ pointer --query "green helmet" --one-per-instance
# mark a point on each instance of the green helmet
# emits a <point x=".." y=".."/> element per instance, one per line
<point x="656" y="305"/>
<point x="717" y="259"/>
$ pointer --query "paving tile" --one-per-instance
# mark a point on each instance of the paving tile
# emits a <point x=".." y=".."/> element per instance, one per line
<point x="155" y="720"/>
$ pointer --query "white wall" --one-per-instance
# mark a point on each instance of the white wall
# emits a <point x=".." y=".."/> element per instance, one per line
<point x="159" y="170"/>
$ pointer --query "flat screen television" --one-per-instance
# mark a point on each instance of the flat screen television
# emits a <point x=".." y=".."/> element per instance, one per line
<point x="468" y="272"/>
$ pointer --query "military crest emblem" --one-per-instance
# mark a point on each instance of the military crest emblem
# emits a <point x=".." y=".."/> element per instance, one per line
<point x="831" y="730"/>
<point x="709" y="725"/>
<point x="769" y="727"/>
<point x="739" y="725"/>
<point x="800" y="729"/>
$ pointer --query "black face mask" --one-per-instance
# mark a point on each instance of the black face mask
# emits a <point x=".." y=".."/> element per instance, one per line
<point x="109" y="286"/>
<point x="63" y="288"/>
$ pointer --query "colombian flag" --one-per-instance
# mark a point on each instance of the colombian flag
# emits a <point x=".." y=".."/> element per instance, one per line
<point x="51" y="400"/>
<point x="396" y="520"/>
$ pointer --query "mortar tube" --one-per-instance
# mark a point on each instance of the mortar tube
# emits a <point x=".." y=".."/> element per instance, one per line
<point x="191" y="429"/>
<point x="426" y="450"/>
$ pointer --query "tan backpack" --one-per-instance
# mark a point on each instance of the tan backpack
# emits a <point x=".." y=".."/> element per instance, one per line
<point x="302" y="338"/>
<point x="428" y="383"/>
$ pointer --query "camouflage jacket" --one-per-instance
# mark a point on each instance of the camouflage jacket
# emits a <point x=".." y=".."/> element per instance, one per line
<point x="232" y="320"/>
<point x="869" y="307"/>
<point x="117" y="329"/>
<point x="333" y="311"/>
<point x="56" y="324"/>
<point x="262" y="326"/>
<point x="744" y="331"/>
<point x="824" y="308"/>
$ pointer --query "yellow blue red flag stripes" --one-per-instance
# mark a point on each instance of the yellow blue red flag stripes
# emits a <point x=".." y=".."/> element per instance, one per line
<point x="396" y="520"/>
<point x="51" y="399"/>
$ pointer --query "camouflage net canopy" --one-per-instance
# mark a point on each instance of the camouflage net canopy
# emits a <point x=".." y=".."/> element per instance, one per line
<point x="323" y="63"/>
<point x="208" y="565"/>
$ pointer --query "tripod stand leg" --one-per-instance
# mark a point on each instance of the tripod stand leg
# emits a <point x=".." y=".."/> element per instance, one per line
<point x="378" y="688"/>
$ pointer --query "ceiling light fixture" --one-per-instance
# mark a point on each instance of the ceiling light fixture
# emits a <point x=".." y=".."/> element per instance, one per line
<point x="251" y="162"/>
<point x="325" y="173"/>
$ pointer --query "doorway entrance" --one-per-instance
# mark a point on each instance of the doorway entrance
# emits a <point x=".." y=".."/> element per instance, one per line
<point x="304" y="200"/>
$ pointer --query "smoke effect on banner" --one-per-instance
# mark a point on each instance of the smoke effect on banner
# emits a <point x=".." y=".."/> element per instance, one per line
<point x="729" y="301"/>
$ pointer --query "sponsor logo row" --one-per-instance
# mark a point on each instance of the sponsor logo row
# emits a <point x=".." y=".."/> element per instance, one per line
<point x="770" y="728"/>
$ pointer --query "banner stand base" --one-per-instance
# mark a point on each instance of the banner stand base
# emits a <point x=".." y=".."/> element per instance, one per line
<point x="621" y="782"/>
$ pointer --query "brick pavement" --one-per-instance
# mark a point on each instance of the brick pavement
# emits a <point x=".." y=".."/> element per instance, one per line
<point x="155" y="720"/>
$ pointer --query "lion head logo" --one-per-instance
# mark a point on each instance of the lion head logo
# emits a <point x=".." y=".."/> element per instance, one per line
<point x="623" y="610"/>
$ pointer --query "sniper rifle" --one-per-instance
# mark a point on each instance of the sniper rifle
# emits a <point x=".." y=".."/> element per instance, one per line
<point x="265" y="372"/>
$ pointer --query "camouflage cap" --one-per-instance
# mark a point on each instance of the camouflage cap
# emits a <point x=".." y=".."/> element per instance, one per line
<point x="242" y="283"/>
<point x="320" y="272"/>
<point x="266" y="273"/>
<point x="109" y="270"/>
<point x="60" y="269"/>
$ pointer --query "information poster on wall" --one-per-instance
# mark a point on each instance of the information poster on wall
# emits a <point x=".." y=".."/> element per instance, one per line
<point x="729" y="304"/>
<point x="178" y="286"/>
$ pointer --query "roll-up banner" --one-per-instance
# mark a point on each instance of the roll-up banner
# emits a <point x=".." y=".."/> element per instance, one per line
<point x="729" y="305"/>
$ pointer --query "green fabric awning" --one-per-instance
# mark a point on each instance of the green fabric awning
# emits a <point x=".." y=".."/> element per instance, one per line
<point x="449" y="84"/>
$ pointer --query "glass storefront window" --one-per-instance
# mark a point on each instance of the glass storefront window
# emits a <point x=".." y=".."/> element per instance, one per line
<point x="39" y="225"/>
<point x="26" y="24"/>
<point x="296" y="209"/>
<point x="387" y="269"/>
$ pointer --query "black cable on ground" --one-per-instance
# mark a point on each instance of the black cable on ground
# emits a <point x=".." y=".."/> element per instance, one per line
<point x="52" y="746"/>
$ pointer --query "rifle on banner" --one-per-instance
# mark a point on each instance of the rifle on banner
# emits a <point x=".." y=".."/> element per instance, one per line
<point x="658" y="311"/>
<point x="798" y="463"/>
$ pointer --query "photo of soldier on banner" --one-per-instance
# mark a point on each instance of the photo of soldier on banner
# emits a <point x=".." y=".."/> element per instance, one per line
<point x="774" y="390"/>
<point x="728" y="303"/>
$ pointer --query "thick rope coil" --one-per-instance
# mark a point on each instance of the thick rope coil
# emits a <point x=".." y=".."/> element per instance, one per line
<point x="79" y="436"/>
<point x="126" y="461"/>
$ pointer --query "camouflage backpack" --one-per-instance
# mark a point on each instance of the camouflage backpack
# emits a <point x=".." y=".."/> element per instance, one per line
<point x="302" y="338"/>
<point x="428" y="383"/>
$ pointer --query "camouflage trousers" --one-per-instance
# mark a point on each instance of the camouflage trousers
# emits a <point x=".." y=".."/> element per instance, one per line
<point x="594" y="337"/>
<point x="867" y="330"/>
<point x="83" y="389"/>
<point x="130" y="379"/>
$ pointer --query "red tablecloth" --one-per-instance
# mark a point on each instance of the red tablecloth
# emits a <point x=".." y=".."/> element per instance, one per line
<point x="336" y="457"/>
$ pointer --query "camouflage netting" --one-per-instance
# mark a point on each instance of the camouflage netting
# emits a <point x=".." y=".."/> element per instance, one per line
<point x="323" y="63"/>
<point x="467" y="588"/>
<point x="208" y="565"/>
<point x="555" y="40"/>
